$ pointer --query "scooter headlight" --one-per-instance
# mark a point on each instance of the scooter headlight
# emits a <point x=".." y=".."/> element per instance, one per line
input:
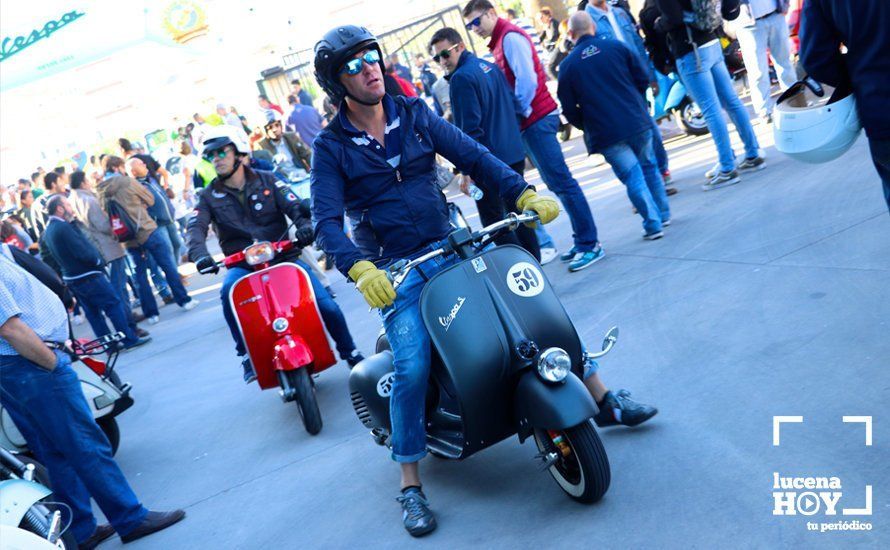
<point x="259" y="253"/>
<point x="554" y="365"/>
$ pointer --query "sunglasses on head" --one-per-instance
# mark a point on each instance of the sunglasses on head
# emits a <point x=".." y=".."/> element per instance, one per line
<point x="474" y="23"/>
<point x="354" y="66"/>
<point x="444" y="54"/>
<point x="219" y="154"/>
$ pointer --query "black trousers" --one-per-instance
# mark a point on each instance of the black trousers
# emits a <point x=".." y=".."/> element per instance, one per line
<point x="493" y="208"/>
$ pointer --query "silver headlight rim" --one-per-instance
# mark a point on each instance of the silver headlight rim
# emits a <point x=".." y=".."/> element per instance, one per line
<point x="280" y="324"/>
<point x="547" y="374"/>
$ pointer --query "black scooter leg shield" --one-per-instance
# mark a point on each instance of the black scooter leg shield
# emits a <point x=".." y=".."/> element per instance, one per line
<point x="551" y="406"/>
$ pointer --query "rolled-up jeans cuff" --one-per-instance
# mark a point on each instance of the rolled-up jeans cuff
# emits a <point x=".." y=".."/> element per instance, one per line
<point x="590" y="368"/>
<point x="407" y="459"/>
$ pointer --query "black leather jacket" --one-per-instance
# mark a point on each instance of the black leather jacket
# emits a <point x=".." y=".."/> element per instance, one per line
<point x="258" y="215"/>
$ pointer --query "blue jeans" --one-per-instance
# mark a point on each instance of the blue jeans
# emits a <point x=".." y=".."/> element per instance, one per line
<point x="157" y="247"/>
<point x="661" y="155"/>
<point x="544" y="238"/>
<point x="544" y="149"/>
<point x="633" y="162"/>
<point x="711" y="86"/>
<point x="96" y="294"/>
<point x="49" y="408"/>
<point x="410" y="344"/>
<point x="117" y="274"/>
<point x="175" y="240"/>
<point x="333" y="317"/>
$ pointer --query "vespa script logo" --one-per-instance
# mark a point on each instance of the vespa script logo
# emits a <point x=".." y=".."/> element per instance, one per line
<point x="448" y="319"/>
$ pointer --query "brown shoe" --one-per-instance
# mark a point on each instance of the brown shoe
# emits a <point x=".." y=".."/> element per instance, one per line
<point x="142" y="333"/>
<point x="670" y="191"/>
<point x="168" y="299"/>
<point x="138" y="317"/>
<point x="154" y="522"/>
<point x="102" y="532"/>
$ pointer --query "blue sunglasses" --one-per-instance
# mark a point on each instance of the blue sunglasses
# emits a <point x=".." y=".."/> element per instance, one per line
<point x="354" y="66"/>
<point x="474" y="23"/>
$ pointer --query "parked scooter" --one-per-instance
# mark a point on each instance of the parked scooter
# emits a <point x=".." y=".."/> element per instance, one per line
<point x="506" y="360"/>
<point x="282" y="329"/>
<point x="25" y="505"/>
<point x="674" y="100"/>
<point x="106" y="395"/>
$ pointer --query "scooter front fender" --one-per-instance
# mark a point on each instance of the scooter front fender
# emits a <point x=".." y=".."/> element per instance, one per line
<point x="291" y="352"/>
<point x="548" y="406"/>
<point x="675" y="96"/>
<point x="16" y="497"/>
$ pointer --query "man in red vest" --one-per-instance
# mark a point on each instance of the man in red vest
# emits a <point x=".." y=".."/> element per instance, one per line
<point x="515" y="54"/>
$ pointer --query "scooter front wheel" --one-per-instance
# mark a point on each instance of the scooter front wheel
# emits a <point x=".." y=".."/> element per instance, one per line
<point x="307" y="404"/>
<point x="581" y="467"/>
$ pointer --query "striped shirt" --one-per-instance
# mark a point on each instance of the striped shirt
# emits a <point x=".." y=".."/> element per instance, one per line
<point x="391" y="148"/>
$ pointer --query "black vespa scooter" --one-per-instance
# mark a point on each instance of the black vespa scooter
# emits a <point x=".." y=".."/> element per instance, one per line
<point x="506" y="360"/>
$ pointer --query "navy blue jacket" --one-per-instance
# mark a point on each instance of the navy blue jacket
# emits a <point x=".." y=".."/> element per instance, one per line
<point x="485" y="108"/>
<point x="601" y="87"/>
<point x="73" y="251"/>
<point x="864" y="26"/>
<point x="395" y="212"/>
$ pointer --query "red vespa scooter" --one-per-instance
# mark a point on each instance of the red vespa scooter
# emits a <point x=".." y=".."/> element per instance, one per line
<point x="281" y="326"/>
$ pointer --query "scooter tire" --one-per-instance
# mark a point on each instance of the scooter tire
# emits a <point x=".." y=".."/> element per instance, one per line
<point x="589" y="459"/>
<point x="112" y="431"/>
<point x="307" y="403"/>
<point x="684" y="116"/>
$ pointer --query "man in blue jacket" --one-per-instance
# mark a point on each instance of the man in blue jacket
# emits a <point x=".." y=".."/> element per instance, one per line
<point x="863" y="27"/>
<point x="83" y="271"/>
<point x="376" y="161"/>
<point x="613" y="23"/>
<point x="386" y="185"/>
<point x="606" y="73"/>
<point x="485" y="109"/>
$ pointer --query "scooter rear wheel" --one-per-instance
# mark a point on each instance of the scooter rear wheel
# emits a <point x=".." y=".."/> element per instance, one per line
<point x="691" y="118"/>
<point x="582" y="467"/>
<point x="307" y="404"/>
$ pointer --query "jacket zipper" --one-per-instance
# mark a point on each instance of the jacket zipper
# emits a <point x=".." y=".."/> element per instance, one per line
<point x="398" y="176"/>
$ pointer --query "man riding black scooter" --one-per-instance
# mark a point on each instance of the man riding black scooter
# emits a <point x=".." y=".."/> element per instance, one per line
<point x="376" y="162"/>
<point x="245" y="205"/>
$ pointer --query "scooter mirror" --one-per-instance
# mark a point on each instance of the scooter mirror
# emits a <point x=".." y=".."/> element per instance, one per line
<point x="610" y="338"/>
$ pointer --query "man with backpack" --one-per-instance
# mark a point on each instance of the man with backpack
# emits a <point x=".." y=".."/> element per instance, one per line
<point x="126" y="202"/>
<point x="691" y="27"/>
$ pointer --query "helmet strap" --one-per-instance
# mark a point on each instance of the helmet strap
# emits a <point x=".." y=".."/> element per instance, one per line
<point x="239" y="157"/>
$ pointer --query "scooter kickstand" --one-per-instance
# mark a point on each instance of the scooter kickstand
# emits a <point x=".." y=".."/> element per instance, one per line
<point x="547" y="459"/>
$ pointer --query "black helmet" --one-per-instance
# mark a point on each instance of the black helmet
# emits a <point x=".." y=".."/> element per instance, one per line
<point x="334" y="50"/>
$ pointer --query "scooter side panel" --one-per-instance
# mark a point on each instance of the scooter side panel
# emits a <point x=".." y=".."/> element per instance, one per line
<point x="282" y="290"/>
<point x="477" y="312"/>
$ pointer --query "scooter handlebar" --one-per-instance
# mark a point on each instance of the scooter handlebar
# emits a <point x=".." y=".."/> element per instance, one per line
<point x="398" y="272"/>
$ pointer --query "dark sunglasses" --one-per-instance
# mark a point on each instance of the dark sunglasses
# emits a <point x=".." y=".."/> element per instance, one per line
<point x="219" y="153"/>
<point x="444" y="54"/>
<point x="474" y="23"/>
<point x="354" y="66"/>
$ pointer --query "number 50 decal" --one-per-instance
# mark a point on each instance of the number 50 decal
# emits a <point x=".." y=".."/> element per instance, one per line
<point x="525" y="279"/>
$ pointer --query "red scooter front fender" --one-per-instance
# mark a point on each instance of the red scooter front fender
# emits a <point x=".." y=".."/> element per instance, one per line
<point x="291" y="352"/>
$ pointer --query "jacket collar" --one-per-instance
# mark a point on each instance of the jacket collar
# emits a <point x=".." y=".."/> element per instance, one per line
<point x="462" y="60"/>
<point x="389" y="107"/>
<point x="500" y="27"/>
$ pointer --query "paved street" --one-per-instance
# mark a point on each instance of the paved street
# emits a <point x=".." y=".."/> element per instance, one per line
<point x="768" y="298"/>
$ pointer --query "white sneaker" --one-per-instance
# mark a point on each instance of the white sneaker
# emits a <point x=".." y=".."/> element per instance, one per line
<point x="191" y="304"/>
<point x="153" y="320"/>
<point x="548" y="255"/>
<point x="78" y="319"/>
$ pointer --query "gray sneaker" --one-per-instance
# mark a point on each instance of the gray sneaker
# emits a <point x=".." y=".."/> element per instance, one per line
<point x="722" y="179"/>
<point x="756" y="163"/>
<point x="416" y="514"/>
<point x="712" y="172"/>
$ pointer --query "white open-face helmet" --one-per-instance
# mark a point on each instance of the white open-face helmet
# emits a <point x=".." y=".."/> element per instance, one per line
<point x="218" y="137"/>
<point x="814" y="123"/>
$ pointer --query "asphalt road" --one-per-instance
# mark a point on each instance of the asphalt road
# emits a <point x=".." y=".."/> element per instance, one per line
<point x="768" y="298"/>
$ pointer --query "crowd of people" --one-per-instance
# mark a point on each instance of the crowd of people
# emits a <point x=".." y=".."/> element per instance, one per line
<point x="116" y="230"/>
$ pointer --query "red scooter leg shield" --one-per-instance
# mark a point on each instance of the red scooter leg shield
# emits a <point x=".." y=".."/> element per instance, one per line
<point x="280" y="322"/>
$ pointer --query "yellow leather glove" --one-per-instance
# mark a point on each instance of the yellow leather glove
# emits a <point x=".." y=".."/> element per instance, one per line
<point x="373" y="284"/>
<point x="546" y="208"/>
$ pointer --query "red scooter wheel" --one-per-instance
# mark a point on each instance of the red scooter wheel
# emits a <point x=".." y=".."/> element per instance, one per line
<point x="307" y="404"/>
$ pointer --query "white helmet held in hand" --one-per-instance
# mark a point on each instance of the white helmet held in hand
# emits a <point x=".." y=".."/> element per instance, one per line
<point x="814" y="123"/>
